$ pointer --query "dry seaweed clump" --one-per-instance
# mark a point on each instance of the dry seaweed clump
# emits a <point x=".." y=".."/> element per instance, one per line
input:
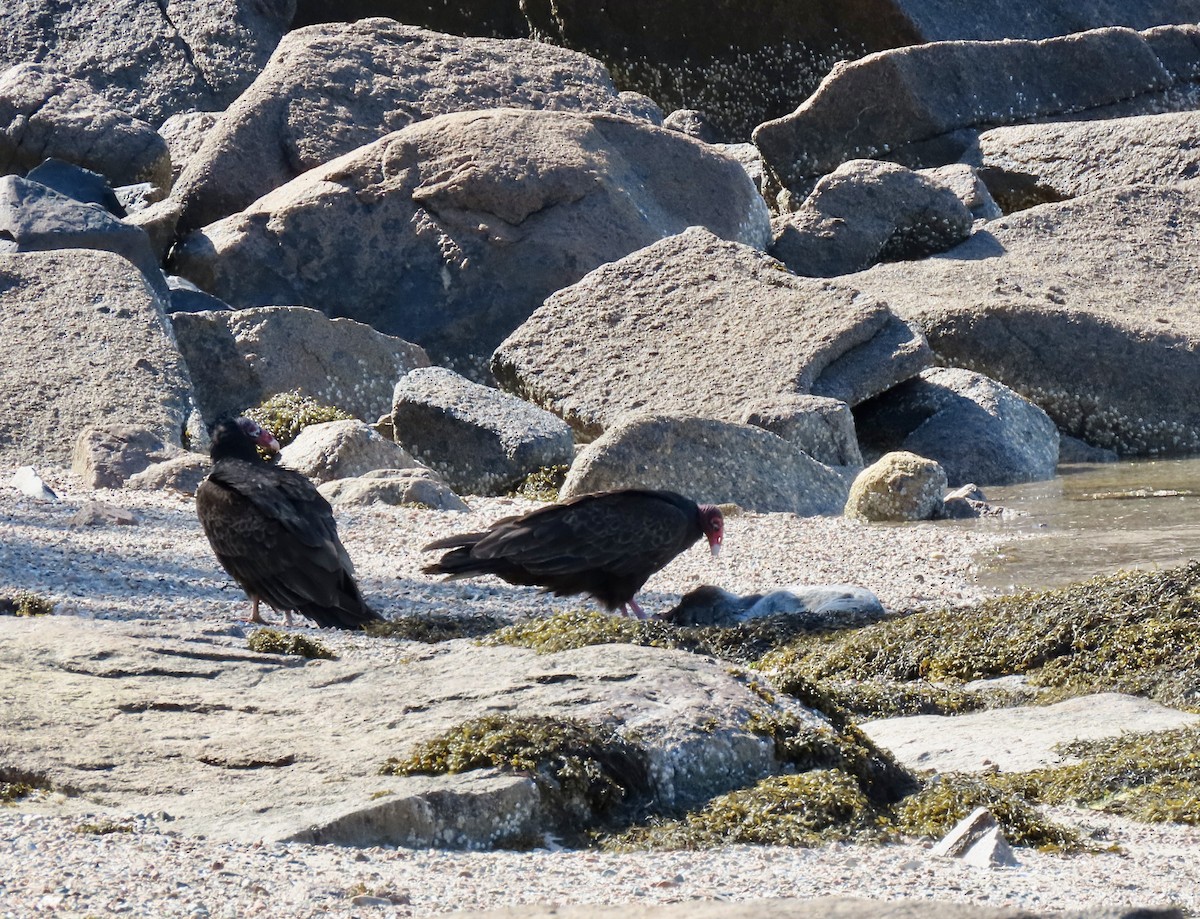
<point x="542" y="484"/>
<point x="1130" y="632"/>
<point x="14" y="791"/>
<point x="809" y="809"/>
<point x="273" y="641"/>
<point x="1154" y="777"/>
<point x="288" y="413"/>
<point x="26" y="603"/>
<point x="587" y="771"/>
<point x="436" y="627"/>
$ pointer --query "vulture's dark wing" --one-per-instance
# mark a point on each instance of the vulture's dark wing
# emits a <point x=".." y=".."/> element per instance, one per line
<point x="622" y="533"/>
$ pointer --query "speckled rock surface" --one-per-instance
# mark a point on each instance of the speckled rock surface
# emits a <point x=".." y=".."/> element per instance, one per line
<point x="238" y="359"/>
<point x="450" y="232"/>
<point x="697" y="325"/>
<point x="85" y="339"/>
<point x="1083" y="307"/>
<point x="712" y="462"/>
<point x="480" y="440"/>
<point x="342" y="449"/>
<point x="899" y="487"/>
<point x="239" y="745"/>
<point x="393" y="486"/>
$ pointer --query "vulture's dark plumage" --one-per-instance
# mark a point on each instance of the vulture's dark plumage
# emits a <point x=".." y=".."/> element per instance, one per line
<point x="275" y="534"/>
<point x="606" y="545"/>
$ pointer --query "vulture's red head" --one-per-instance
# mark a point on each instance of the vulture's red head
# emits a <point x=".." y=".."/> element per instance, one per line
<point x="241" y="438"/>
<point x="712" y="525"/>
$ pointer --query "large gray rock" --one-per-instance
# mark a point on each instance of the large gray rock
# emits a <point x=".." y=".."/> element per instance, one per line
<point x="866" y="212"/>
<point x="106" y="455"/>
<point x="1083" y="307"/>
<point x="385" y="76"/>
<point x="46" y="114"/>
<point x="480" y="440"/>
<point x="1071" y="158"/>
<point x="697" y="325"/>
<point x="35" y="218"/>
<point x="296" y="754"/>
<point x="149" y="59"/>
<point x="451" y="232"/>
<point x="712" y="462"/>
<point x="238" y="358"/>
<point x="86" y="342"/>
<point x="823" y="428"/>
<point x="185" y="134"/>
<point x="419" y="486"/>
<point x="883" y="101"/>
<point x="341" y="450"/>
<point x="979" y="430"/>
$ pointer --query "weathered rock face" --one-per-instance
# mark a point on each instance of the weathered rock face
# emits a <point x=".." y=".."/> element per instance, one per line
<point x="822" y="428"/>
<point x="1070" y="158"/>
<point x="1083" y="307"/>
<point x="144" y="58"/>
<point x="226" y="741"/>
<point x="900" y="487"/>
<point x="866" y="212"/>
<point x="239" y="358"/>
<point x="393" y="486"/>
<point x="451" y="232"/>
<point x="185" y="134"/>
<point x="330" y="89"/>
<point x="697" y="325"/>
<point x="86" y="342"/>
<point x="35" y="218"/>
<point x="847" y="117"/>
<point x="342" y="449"/>
<point x="712" y="462"/>
<point x="480" y="440"/>
<point x="979" y="430"/>
<point x="105" y="456"/>
<point x="46" y="114"/>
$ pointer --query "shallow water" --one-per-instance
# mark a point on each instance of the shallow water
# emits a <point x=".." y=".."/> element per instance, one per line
<point x="1096" y="519"/>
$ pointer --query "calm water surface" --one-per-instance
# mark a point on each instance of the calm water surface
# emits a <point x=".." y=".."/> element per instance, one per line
<point x="1096" y="519"/>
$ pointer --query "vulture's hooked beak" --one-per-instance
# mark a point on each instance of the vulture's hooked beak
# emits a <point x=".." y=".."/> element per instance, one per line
<point x="714" y="545"/>
<point x="267" y="442"/>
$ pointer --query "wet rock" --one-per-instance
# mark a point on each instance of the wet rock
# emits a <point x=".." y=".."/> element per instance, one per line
<point x="342" y="449"/>
<point x="288" y="122"/>
<point x="697" y="325"/>
<point x="238" y="359"/>
<point x="84" y="339"/>
<point x="967" y="503"/>
<point x="712" y="462"/>
<point x="1073" y="450"/>
<point x="480" y="440"/>
<point x="867" y="212"/>
<point x="898" y="488"/>
<point x="393" y="486"/>
<point x="46" y="114"/>
<point x="1044" y="302"/>
<point x="977" y="429"/>
<point x="434" y="235"/>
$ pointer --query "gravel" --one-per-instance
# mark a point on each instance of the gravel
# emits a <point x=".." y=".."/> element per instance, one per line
<point x="162" y="569"/>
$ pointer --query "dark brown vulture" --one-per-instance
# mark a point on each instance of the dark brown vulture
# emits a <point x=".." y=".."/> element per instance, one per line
<point x="606" y="545"/>
<point x="275" y="534"/>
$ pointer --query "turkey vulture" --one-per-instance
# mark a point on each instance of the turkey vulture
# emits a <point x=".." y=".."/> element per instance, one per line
<point x="275" y="534"/>
<point x="606" y="544"/>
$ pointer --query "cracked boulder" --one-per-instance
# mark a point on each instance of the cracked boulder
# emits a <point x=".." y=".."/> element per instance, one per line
<point x="452" y="231"/>
<point x="1085" y="307"/>
<point x="331" y="88"/>
<point x="701" y="326"/>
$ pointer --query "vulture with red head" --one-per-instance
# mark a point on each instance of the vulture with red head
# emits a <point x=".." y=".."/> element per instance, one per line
<point x="275" y="534"/>
<point x="606" y="544"/>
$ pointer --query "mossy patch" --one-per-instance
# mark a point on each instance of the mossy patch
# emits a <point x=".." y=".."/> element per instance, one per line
<point x="273" y="641"/>
<point x="542" y="484"/>
<point x="589" y="773"/>
<point x="104" y="827"/>
<point x="288" y="413"/>
<point x="436" y="627"/>
<point x="1132" y="632"/>
<point x="14" y="791"/>
<point x="26" y="603"/>
<point x="1149" y="777"/>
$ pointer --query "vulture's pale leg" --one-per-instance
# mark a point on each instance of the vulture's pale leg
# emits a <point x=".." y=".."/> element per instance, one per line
<point x="255" y="616"/>
<point x="287" y="617"/>
<point x="638" y="611"/>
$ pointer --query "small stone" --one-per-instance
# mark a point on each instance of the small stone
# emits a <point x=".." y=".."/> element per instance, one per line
<point x="98" y="513"/>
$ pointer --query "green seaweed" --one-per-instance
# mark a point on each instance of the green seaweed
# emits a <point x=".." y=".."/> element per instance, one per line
<point x="273" y="641"/>
<point x="286" y="414"/>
